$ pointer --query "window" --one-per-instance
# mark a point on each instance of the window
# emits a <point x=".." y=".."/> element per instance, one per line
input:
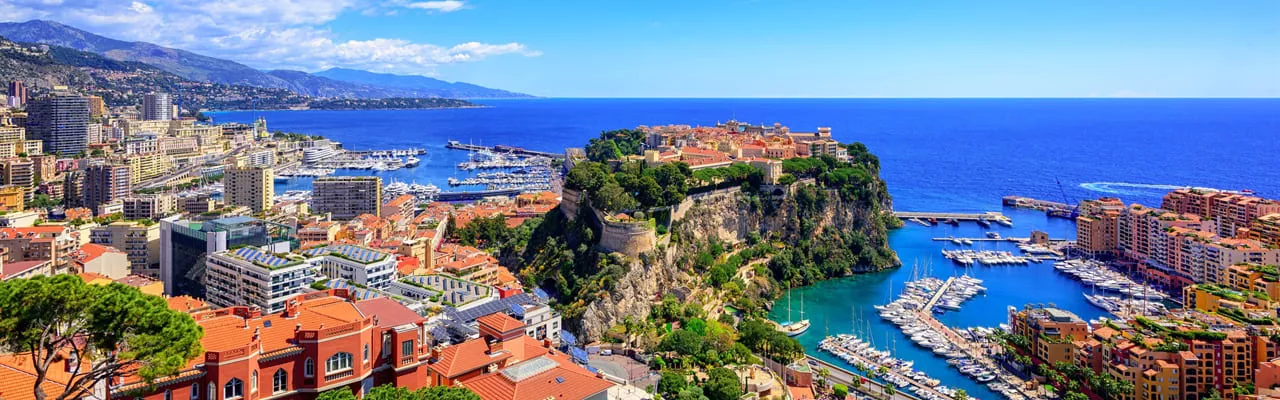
<point x="253" y="381"/>
<point x="168" y="394"/>
<point x="234" y="389"/>
<point x="279" y="381"/>
<point x="213" y="394"/>
<point x="386" y="345"/>
<point x="366" y="352"/>
<point x="338" y="362"/>
<point x="195" y="391"/>
<point x="309" y="367"/>
<point x="406" y="348"/>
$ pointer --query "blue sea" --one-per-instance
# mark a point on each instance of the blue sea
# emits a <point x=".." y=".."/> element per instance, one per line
<point x="936" y="155"/>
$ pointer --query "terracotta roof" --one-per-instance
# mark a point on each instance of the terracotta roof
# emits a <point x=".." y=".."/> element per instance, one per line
<point x="17" y="378"/>
<point x="466" y="356"/>
<point x="91" y="251"/>
<point x="538" y="378"/>
<point x="388" y="312"/>
<point x="186" y="303"/>
<point x="227" y="332"/>
<point x="136" y="281"/>
<point x="500" y="322"/>
<point x="15" y="268"/>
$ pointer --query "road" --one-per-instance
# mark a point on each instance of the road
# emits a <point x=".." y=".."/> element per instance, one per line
<point x="844" y="377"/>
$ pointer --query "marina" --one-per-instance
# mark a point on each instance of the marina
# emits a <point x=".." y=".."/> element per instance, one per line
<point x="863" y="356"/>
<point x="1099" y="277"/>
<point x="967" y="350"/>
<point x="456" y="145"/>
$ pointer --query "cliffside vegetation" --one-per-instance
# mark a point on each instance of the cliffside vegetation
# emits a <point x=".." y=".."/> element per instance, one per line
<point x="739" y="248"/>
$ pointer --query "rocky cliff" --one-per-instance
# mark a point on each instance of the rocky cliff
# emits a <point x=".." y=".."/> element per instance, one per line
<point x="788" y="216"/>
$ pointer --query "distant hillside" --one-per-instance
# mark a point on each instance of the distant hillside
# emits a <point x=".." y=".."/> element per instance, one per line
<point x="123" y="83"/>
<point x="196" y="67"/>
<point x="180" y="62"/>
<point x="419" y="85"/>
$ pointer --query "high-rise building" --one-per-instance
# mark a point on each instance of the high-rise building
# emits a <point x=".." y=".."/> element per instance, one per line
<point x="1229" y="211"/>
<point x="156" y="106"/>
<point x="17" y="94"/>
<point x="347" y="197"/>
<point x="250" y="186"/>
<point x="185" y="245"/>
<point x="20" y="172"/>
<point x="105" y="183"/>
<point x="139" y="242"/>
<point x="61" y="121"/>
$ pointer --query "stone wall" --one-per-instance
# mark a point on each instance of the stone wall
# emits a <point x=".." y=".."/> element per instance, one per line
<point x="569" y="201"/>
<point x="630" y="238"/>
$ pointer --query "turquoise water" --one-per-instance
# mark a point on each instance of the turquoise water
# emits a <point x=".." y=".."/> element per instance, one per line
<point x="833" y="306"/>
<point x="936" y="155"/>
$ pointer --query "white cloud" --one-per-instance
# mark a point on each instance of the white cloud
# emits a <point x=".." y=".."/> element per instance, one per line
<point x="443" y="6"/>
<point x="267" y="34"/>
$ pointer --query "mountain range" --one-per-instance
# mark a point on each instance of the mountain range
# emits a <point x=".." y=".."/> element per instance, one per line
<point x="340" y="83"/>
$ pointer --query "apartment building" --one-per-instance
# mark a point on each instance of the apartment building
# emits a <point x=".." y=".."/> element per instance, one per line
<point x="360" y="265"/>
<point x="256" y="277"/>
<point x="1265" y="229"/>
<point x="250" y="186"/>
<point x="149" y="206"/>
<point x="143" y="167"/>
<point x="1231" y="212"/>
<point x="347" y="197"/>
<point x="140" y="242"/>
<point x="1051" y="331"/>
<point x="1098" y="226"/>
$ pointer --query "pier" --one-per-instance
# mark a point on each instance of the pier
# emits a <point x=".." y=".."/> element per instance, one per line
<point x="938" y="294"/>
<point x="456" y="145"/>
<point x="921" y="217"/>
<point x="388" y="153"/>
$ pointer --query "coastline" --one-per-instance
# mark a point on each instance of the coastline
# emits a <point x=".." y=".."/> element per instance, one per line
<point x="345" y="109"/>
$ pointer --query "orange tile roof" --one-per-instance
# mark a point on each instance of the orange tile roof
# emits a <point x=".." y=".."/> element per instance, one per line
<point x="17" y="378"/>
<point x="465" y="357"/>
<point x="500" y="322"/>
<point x="186" y="303"/>
<point x="563" y="381"/>
<point x="388" y="312"/>
<point x="91" y="251"/>
<point x="227" y="332"/>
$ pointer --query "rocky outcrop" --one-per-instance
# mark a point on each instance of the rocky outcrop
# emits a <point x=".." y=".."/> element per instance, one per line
<point x="728" y="216"/>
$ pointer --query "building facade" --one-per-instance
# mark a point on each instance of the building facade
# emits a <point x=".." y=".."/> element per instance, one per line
<point x="61" y="122"/>
<point x="250" y="186"/>
<point x="157" y="107"/>
<point x="347" y="197"/>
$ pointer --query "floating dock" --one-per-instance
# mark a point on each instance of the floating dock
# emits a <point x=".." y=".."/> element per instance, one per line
<point x="456" y="145"/>
<point x="920" y="217"/>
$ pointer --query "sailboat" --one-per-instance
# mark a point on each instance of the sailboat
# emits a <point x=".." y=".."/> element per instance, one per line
<point x="794" y="328"/>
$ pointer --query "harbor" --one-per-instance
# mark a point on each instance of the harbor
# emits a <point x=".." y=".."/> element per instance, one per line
<point x="501" y="149"/>
<point x="828" y="304"/>
<point x="967" y="350"/>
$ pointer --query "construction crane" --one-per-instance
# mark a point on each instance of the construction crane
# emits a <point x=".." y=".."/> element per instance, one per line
<point x="1074" y="209"/>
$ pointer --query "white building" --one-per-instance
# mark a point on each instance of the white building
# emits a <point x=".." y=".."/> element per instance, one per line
<point x="541" y="322"/>
<point x="355" y="264"/>
<point x="251" y="276"/>
<point x="262" y="158"/>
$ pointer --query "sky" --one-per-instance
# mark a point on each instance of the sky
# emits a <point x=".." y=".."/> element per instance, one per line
<point x="730" y="48"/>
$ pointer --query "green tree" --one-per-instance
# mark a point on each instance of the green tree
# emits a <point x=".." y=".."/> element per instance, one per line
<point x="672" y="383"/>
<point x="722" y="384"/>
<point x="841" y="391"/>
<point x="341" y="393"/>
<point x="960" y="395"/>
<point x="691" y="393"/>
<point x="111" y="329"/>
<point x="1075" y="396"/>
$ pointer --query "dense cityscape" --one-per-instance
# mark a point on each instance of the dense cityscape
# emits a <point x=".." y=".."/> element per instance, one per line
<point x="849" y="201"/>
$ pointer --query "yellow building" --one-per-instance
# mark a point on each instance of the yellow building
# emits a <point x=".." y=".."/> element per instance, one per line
<point x="97" y="108"/>
<point x="12" y="198"/>
<point x="250" y="186"/>
<point x="1265" y="229"/>
<point x="12" y="134"/>
<point x="140" y="242"/>
<point x="146" y="166"/>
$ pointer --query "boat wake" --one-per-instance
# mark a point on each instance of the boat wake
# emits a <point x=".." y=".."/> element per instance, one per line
<point x="1142" y="188"/>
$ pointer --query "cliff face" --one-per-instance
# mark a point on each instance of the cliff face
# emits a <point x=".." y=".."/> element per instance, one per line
<point x="728" y="217"/>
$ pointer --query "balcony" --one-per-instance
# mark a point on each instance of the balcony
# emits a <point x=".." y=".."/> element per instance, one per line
<point x="339" y="375"/>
